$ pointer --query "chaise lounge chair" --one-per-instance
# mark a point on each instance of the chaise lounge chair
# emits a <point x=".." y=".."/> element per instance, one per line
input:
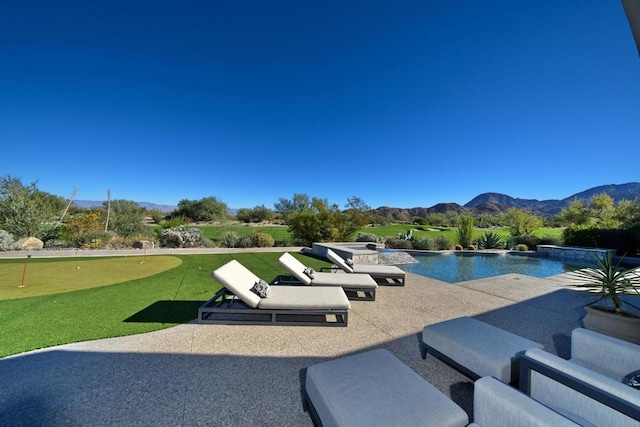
<point x="236" y="303"/>
<point x="356" y="286"/>
<point x="383" y="274"/>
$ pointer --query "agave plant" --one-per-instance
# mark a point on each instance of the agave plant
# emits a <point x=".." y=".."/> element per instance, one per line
<point x="610" y="280"/>
<point x="489" y="240"/>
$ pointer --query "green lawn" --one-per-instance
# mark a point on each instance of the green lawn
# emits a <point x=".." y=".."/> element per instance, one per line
<point x="125" y="308"/>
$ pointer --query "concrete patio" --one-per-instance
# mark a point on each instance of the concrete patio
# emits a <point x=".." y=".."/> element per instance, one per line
<point x="226" y="375"/>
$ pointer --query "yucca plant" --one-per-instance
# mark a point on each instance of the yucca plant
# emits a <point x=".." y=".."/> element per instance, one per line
<point x="610" y="280"/>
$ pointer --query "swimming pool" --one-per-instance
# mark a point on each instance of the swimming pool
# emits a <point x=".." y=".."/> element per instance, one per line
<point x="459" y="267"/>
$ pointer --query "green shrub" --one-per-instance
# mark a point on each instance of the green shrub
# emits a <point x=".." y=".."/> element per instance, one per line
<point x="489" y="240"/>
<point x="522" y="247"/>
<point x="458" y="247"/>
<point x="245" y="242"/>
<point x="443" y="244"/>
<point x="464" y="233"/>
<point x="7" y="242"/>
<point x="229" y="239"/>
<point x="550" y="240"/>
<point x="181" y="237"/>
<point x="530" y="241"/>
<point x="369" y="237"/>
<point x="93" y="240"/>
<point x="423" y="243"/>
<point x="262" y="240"/>
<point x="398" y="244"/>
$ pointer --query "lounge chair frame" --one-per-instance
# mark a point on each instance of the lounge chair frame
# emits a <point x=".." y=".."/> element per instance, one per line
<point x="226" y="308"/>
<point x="382" y="277"/>
<point x="353" y="293"/>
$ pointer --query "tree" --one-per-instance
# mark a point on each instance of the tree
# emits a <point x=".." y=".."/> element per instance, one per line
<point x="521" y="222"/>
<point x="208" y="209"/>
<point x="628" y="214"/>
<point x="257" y="214"/>
<point x="24" y="208"/>
<point x="576" y="213"/>
<point x="299" y="203"/>
<point x="464" y="233"/>
<point x="324" y="222"/>
<point x="127" y="218"/>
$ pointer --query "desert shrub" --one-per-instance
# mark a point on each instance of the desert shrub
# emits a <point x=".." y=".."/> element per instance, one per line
<point x="489" y="240"/>
<point x="464" y="233"/>
<point x="398" y="243"/>
<point x="510" y="243"/>
<point x="58" y="244"/>
<point x="522" y="247"/>
<point x="369" y="237"/>
<point x="175" y="222"/>
<point x="245" y="242"/>
<point x="7" y="242"/>
<point x="549" y="240"/>
<point x="443" y="244"/>
<point x="458" y="247"/>
<point x="530" y="241"/>
<point x="181" y="237"/>
<point x="207" y="243"/>
<point x="423" y="243"/>
<point x="229" y="239"/>
<point x="262" y="240"/>
<point x="93" y="240"/>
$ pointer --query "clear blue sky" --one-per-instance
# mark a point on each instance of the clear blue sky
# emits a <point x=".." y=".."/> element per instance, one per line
<point x="401" y="103"/>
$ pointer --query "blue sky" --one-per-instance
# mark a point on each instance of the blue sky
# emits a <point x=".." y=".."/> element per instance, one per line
<point x="402" y="104"/>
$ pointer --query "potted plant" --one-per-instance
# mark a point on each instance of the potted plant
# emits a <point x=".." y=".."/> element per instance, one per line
<point x="612" y="283"/>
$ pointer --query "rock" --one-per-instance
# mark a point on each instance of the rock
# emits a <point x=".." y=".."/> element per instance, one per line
<point x="143" y="244"/>
<point x="29" y="243"/>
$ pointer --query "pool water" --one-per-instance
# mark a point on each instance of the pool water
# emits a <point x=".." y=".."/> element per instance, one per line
<point x="452" y="267"/>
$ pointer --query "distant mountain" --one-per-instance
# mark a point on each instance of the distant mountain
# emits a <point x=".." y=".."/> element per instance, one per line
<point x="88" y="204"/>
<point x="495" y="203"/>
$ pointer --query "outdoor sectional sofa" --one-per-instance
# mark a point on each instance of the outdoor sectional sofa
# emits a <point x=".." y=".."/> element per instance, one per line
<point x="375" y="388"/>
<point x="382" y="274"/>
<point x="356" y="286"/>
<point x="236" y="303"/>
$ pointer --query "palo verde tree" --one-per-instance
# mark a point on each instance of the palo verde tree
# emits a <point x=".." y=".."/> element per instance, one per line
<point x="207" y="209"/>
<point x="324" y="222"/>
<point x="287" y="207"/>
<point x="24" y="209"/>
<point x="521" y="222"/>
<point x="126" y="219"/>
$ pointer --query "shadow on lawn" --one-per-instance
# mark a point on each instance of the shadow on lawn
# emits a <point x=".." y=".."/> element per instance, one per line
<point x="167" y="312"/>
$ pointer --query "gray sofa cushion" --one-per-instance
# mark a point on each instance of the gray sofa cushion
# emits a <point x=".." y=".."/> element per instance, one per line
<point x="497" y="404"/>
<point x="376" y="389"/>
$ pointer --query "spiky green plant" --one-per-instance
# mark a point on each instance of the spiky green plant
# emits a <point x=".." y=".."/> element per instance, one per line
<point x="610" y="280"/>
<point x="489" y="240"/>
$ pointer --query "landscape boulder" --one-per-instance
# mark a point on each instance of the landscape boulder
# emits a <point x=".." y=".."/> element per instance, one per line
<point x="143" y="244"/>
<point x="30" y="243"/>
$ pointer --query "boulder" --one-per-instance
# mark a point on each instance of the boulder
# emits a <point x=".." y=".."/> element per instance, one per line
<point x="143" y="244"/>
<point x="29" y="243"/>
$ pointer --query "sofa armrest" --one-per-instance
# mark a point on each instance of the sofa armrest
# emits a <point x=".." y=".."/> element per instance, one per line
<point x="604" y="354"/>
<point x="496" y="403"/>
<point x="571" y="388"/>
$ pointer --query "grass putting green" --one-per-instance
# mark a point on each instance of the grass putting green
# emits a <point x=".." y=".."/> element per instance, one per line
<point x="135" y="306"/>
<point x="66" y="275"/>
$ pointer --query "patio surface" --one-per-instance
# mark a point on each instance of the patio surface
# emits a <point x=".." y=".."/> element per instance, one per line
<point x="228" y="375"/>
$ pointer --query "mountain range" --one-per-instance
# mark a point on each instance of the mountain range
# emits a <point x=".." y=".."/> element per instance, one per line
<point x="492" y="203"/>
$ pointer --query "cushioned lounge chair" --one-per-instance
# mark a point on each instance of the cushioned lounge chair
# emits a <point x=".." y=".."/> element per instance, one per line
<point x="383" y="274"/>
<point x="235" y="303"/>
<point x="356" y="286"/>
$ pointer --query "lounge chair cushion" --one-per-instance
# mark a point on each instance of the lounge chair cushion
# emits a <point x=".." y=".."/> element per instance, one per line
<point x="239" y="280"/>
<point x="339" y="261"/>
<point x="296" y="268"/>
<point x="374" y="388"/>
<point x="305" y="298"/>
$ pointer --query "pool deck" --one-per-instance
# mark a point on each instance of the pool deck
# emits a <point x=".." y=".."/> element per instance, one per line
<point x="234" y="375"/>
